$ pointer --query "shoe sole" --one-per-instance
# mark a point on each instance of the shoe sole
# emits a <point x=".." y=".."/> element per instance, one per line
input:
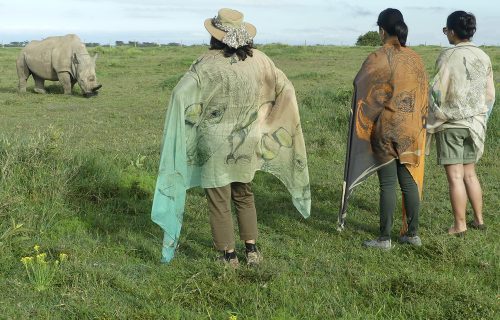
<point x="412" y="244"/>
<point x="379" y="248"/>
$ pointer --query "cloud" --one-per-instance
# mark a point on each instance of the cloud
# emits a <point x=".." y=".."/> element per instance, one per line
<point x="288" y="21"/>
<point x="324" y="30"/>
<point x="430" y="8"/>
<point x="358" y="10"/>
<point x="160" y="11"/>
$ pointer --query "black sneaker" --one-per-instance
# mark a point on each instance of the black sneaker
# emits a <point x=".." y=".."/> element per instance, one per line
<point x="230" y="259"/>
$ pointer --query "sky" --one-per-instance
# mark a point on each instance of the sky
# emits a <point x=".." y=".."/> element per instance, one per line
<point x="335" y="22"/>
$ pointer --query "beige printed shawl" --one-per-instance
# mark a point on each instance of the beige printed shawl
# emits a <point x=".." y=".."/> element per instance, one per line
<point x="463" y="92"/>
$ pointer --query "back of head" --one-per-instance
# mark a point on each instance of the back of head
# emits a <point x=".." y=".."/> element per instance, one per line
<point x="241" y="52"/>
<point x="462" y="23"/>
<point x="391" y="20"/>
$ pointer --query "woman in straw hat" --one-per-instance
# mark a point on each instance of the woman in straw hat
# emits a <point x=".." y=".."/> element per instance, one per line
<point x="232" y="113"/>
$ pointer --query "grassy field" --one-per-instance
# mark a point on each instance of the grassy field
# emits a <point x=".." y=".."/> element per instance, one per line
<point x="77" y="177"/>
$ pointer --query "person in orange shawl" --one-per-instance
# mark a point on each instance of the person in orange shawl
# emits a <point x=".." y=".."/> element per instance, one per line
<point x="387" y="129"/>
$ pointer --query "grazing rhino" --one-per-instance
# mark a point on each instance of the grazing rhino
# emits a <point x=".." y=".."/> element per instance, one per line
<point x="62" y="58"/>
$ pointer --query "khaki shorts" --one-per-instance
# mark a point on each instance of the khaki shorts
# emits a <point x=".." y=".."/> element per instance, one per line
<point x="455" y="146"/>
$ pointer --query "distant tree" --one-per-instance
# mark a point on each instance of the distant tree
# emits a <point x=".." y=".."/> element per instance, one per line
<point x="148" y="44"/>
<point x="371" y="38"/>
<point x="119" y="43"/>
<point x="92" y="44"/>
<point x="17" y="44"/>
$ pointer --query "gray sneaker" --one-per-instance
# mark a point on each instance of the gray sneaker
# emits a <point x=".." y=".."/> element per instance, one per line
<point x="414" y="241"/>
<point x="378" y="244"/>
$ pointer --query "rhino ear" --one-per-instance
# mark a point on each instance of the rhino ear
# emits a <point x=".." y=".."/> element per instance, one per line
<point x="75" y="59"/>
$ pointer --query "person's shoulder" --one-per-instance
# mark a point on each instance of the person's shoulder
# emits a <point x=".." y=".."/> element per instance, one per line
<point x="413" y="54"/>
<point x="482" y="54"/>
<point x="458" y="52"/>
<point x="204" y="59"/>
<point x="410" y="51"/>
<point x="259" y="54"/>
<point x="208" y="55"/>
<point x="445" y="54"/>
<point x="376" y="55"/>
<point x="381" y="52"/>
<point x="260" y="57"/>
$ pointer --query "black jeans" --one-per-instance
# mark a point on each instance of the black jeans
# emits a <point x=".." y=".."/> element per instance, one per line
<point x="388" y="176"/>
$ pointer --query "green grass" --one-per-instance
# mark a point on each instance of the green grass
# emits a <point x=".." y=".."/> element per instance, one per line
<point x="77" y="176"/>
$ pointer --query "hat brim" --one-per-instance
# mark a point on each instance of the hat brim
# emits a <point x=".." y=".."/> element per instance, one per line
<point x="219" y="34"/>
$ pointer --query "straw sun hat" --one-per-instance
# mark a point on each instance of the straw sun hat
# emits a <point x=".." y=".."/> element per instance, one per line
<point x="229" y="28"/>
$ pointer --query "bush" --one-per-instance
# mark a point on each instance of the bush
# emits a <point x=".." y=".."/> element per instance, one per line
<point x="371" y="38"/>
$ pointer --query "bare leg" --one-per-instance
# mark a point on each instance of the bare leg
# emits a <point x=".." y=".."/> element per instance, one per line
<point x="65" y="80"/>
<point x="39" y="84"/>
<point x="458" y="196"/>
<point x="474" y="192"/>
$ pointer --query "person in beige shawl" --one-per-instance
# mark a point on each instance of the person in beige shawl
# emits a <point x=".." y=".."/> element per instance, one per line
<point x="233" y="113"/>
<point x="462" y="97"/>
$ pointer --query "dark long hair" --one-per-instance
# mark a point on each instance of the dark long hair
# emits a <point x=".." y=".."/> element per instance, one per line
<point x="462" y="23"/>
<point x="391" y="20"/>
<point x="242" y="52"/>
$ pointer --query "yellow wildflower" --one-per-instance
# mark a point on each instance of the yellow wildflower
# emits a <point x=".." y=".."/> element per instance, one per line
<point x="63" y="257"/>
<point x="233" y="317"/>
<point x="26" y="260"/>
<point x="40" y="258"/>
<point x="37" y="248"/>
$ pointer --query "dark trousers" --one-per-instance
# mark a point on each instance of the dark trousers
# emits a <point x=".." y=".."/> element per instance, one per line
<point x="388" y="176"/>
<point x="221" y="220"/>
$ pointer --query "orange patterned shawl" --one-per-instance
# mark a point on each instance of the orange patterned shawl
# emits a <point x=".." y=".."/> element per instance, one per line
<point x="389" y="109"/>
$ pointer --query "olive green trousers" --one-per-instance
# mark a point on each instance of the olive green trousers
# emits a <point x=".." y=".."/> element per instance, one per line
<point x="389" y="176"/>
<point x="221" y="220"/>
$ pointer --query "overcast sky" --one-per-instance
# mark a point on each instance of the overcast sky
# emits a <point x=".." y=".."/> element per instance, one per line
<point x="286" y="21"/>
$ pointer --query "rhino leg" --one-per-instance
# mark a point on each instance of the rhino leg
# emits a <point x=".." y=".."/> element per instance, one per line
<point x="65" y="80"/>
<point x="39" y="84"/>
<point x="23" y="73"/>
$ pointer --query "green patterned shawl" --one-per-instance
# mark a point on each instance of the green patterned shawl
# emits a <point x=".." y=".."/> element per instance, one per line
<point x="227" y="119"/>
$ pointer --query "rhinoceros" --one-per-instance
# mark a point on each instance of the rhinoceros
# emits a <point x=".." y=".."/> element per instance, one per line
<point x="63" y="58"/>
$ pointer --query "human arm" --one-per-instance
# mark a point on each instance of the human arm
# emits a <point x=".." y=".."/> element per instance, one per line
<point x="490" y="91"/>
